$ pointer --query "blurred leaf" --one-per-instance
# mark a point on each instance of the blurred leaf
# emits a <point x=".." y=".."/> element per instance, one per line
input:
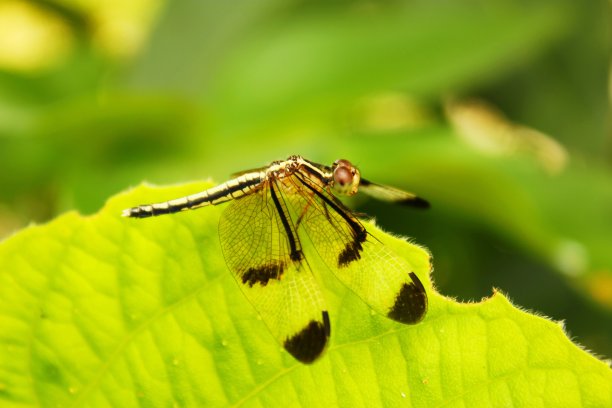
<point x="193" y="37"/>
<point x="270" y="65"/>
<point x="319" y="62"/>
<point x="106" y="311"/>
<point x="84" y="150"/>
<point x="564" y="92"/>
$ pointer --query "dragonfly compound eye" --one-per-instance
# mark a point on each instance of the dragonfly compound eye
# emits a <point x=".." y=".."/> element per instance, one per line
<point x="346" y="178"/>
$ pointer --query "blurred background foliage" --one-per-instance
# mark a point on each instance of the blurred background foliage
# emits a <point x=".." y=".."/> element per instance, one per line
<point x="498" y="112"/>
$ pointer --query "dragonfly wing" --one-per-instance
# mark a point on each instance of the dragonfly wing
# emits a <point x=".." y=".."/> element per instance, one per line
<point x="263" y="252"/>
<point x="374" y="272"/>
<point x="392" y="194"/>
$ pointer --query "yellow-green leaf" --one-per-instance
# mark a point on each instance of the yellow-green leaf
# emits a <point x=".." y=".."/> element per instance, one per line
<point x="104" y="311"/>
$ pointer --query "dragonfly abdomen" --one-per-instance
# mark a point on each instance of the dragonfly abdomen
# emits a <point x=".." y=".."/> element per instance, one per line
<point x="230" y="190"/>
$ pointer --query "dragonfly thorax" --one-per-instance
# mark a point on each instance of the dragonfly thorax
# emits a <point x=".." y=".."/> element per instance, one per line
<point x="286" y="168"/>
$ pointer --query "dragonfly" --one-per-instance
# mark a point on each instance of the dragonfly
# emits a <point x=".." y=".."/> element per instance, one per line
<point x="261" y="233"/>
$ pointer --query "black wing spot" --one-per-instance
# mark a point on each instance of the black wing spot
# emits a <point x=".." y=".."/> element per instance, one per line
<point x="262" y="274"/>
<point x="411" y="302"/>
<point x="416" y="202"/>
<point x="352" y="250"/>
<point x="349" y="254"/>
<point x="307" y="345"/>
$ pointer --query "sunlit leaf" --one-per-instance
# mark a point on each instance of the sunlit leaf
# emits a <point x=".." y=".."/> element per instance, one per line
<point x="107" y="311"/>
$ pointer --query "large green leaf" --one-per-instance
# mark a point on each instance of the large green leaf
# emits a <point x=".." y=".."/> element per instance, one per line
<point x="290" y="62"/>
<point x="107" y="311"/>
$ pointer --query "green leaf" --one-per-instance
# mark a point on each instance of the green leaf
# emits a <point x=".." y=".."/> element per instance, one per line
<point x="107" y="311"/>
<point x="318" y="62"/>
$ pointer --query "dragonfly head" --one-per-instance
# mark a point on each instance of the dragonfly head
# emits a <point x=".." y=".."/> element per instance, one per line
<point x="346" y="177"/>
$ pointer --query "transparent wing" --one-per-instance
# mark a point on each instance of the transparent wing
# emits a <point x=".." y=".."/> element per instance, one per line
<point x="388" y="193"/>
<point x="381" y="278"/>
<point x="263" y="252"/>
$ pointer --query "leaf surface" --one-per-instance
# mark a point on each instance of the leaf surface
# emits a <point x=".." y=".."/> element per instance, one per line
<point x="105" y="311"/>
